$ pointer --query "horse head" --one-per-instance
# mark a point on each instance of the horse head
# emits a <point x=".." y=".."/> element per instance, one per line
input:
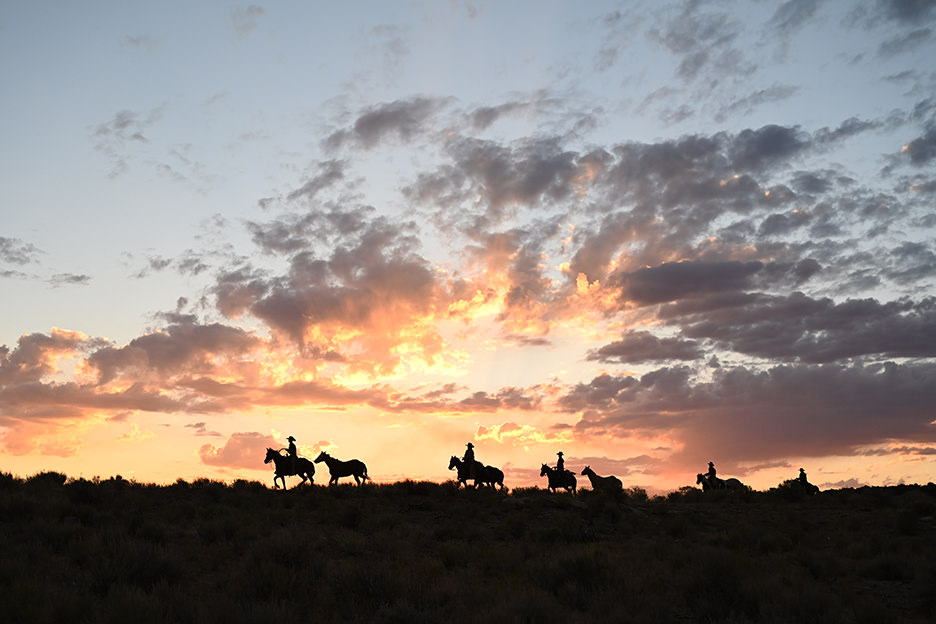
<point x="587" y="470"/>
<point x="270" y="456"/>
<point x="322" y="457"/>
<point x="700" y="478"/>
<point x="545" y="470"/>
<point x="453" y="463"/>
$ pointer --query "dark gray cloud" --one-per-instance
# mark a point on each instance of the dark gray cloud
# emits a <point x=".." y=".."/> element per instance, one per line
<point x="201" y="429"/>
<point x="528" y="173"/>
<point x="907" y="11"/>
<point x="349" y="267"/>
<point x="704" y="43"/>
<point x="905" y="42"/>
<point x="34" y="355"/>
<point x="639" y="347"/>
<point x="404" y="119"/>
<point x="178" y="349"/>
<point x="785" y="411"/>
<point x="793" y="15"/>
<point x="766" y="146"/>
<point x="246" y="19"/>
<point x="16" y="251"/>
<point x="484" y="117"/>
<point x="747" y="104"/>
<point x="677" y="280"/>
<point x="116" y="137"/>
<point x="797" y="327"/>
<point x="329" y="173"/>
<point x="922" y="149"/>
<point x="68" y="279"/>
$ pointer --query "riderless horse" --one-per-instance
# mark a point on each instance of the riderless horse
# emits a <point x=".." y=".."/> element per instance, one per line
<point x="609" y="484"/>
<point x="714" y="483"/>
<point x="337" y="468"/>
<point x="555" y="479"/>
<point x="285" y="466"/>
<point x="484" y="475"/>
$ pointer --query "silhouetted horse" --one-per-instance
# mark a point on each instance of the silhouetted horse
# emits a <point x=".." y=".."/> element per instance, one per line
<point x="284" y="467"/>
<point x="555" y="479"/>
<point x="718" y="484"/>
<point x="337" y="468"/>
<point x="484" y="475"/>
<point x="605" y="484"/>
<point x="810" y="488"/>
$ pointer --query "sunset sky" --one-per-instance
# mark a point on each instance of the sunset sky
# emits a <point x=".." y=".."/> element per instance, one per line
<point x="649" y="235"/>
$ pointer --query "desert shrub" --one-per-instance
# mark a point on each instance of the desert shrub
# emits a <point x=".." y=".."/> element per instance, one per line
<point x="50" y="479"/>
<point x="33" y="600"/>
<point x="127" y="603"/>
<point x="123" y="561"/>
<point x="574" y="577"/>
<point x="413" y="488"/>
<point x="8" y="481"/>
<point x="152" y="532"/>
<point x="83" y="491"/>
<point x="719" y="584"/>
<point x="907" y="522"/>
<point x="823" y="565"/>
<point x="887" y="567"/>
<point x="405" y="612"/>
<point x="515" y="525"/>
<point x="788" y="491"/>
<point x="636" y="494"/>
<point x="789" y="596"/>
<point x="99" y="551"/>
<point x="686" y="493"/>
<point x="243" y="485"/>
<point x="523" y="492"/>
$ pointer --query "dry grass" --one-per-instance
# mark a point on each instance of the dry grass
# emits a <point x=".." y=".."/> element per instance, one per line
<point x="116" y="551"/>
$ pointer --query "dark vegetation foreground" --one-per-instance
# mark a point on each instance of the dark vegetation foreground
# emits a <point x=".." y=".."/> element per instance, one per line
<point x="118" y="551"/>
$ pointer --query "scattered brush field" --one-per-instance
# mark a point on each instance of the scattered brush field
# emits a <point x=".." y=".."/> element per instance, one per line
<point x="411" y="552"/>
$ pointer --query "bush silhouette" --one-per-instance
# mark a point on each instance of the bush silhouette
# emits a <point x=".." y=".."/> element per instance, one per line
<point x="116" y="550"/>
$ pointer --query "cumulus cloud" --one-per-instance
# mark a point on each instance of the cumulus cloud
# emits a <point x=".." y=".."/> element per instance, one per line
<point x="16" y="251"/>
<point x="760" y="288"/>
<point x="403" y="119"/>
<point x="784" y="411"/>
<point x="638" y="347"/>
<point x="179" y="348"/>
<point x="69" y="279"/>
<point x="241" y="450"/>
<point x="246" y="19"/>
<point x="922" y="149"/>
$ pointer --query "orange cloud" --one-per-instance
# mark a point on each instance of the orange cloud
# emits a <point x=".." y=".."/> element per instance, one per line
<point x="241" y="450"/>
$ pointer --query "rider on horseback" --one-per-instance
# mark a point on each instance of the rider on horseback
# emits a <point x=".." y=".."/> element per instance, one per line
<point x="469" y="459"/>
<point x="712" y="479"/>
<point x="560" y="467"/>
<point x="293" y="453"/>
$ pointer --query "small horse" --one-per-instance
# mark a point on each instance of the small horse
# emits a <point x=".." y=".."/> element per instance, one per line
<point x="284" y="468"/>
<point x="604" y="484"/>
<point x="719" y="484"/>
<point x="484" y="475"/>
<point x="555" y="479"/>
<point x="810" y="488"/>
<point x="337" y="468"/>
